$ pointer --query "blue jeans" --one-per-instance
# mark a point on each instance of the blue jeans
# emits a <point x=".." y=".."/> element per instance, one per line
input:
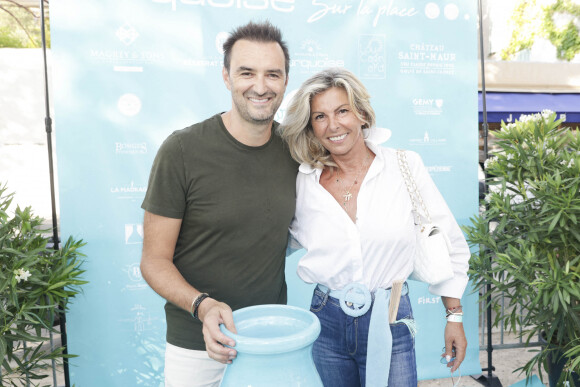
<point x="340" y="352"/>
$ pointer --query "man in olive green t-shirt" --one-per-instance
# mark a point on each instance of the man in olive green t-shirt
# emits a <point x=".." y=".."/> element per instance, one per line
<point x="220" y="198"/>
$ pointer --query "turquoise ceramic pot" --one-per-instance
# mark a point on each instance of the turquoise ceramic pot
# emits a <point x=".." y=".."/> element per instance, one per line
<point x="274" y="344"/>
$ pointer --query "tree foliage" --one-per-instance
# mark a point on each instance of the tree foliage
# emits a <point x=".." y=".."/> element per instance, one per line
<point x="20" y="25"/>
<point x="531" y="21"/>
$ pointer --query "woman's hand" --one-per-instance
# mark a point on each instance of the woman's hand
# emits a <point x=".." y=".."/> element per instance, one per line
<point x="455" y="340"/>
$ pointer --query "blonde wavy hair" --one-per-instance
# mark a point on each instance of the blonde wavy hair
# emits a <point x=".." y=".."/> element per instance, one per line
<point x="296" y="129"/>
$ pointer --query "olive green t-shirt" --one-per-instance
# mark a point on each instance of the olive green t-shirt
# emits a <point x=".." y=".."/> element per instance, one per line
<point x="236" y="203"/>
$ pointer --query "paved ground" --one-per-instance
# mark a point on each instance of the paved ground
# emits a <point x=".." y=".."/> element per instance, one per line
<point x="505" y="361"/>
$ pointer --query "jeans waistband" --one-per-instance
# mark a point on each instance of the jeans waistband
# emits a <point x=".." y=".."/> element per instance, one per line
<point x="355" y="300"/>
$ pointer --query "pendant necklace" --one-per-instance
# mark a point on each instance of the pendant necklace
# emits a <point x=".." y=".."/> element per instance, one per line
<point x="347" y="195"/>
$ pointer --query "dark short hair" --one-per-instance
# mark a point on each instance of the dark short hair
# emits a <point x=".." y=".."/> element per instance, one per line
<point x="256" y="32"/>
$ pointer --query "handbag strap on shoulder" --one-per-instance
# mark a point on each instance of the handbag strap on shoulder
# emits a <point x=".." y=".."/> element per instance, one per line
<point x="414" y="193"/>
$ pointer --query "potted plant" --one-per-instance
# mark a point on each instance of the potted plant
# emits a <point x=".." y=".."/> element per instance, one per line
<point x="35" y="283"/>
<point x="529" y="239"/>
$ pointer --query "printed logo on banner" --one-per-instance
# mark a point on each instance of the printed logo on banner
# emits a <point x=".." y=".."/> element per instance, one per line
<point x="140" y="319"/>
<point x="438" y="168"/>
<point x="365" y="8"/>
<point x="134" y="273"/>
<point x="130" y="148"/>
<point x="136" y="279"/>
<point x="123" y="58"/>
<point x="127" y="34"/>
<point x="372" y="62"/>
<point x="427" y="106"/>
<point x="133" y="233"/>
<point x="428" y="139"/>
<point x="428" y="59"/>
<point x="311" y="58"/>
<point x="428" y="300"/>
<point x="129" y="104"/>
<point x="432" y="10"/>
<point x="129" y="191"/>
<point x="262" y="5"/>
<point x="450" y="11"/>
<point x="214" y="60"/>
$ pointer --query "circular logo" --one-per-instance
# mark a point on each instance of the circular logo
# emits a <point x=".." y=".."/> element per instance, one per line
<point x="432" y="10"/>
<point x="451" y="11"/>
<point x="134" y="273"/>
<point x="129" y="104"/>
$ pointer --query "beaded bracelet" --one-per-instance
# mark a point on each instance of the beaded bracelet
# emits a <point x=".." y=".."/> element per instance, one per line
<point x="195" y="304"/>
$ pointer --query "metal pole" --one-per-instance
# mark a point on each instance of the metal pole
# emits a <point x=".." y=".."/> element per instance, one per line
<point x="483" y="95"/>
<point x="55" y="240"/>
<point x="489" y="379"/>
<point x="490" y="367"/>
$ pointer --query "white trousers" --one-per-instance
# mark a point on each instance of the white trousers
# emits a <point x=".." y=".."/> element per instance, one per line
<point x="189" y="368"/>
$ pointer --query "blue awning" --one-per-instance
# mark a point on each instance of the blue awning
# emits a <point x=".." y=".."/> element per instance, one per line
<point x="510" y="106"/>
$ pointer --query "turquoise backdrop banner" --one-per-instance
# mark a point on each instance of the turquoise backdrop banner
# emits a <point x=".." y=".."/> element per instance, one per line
<point x="127" y="73"/>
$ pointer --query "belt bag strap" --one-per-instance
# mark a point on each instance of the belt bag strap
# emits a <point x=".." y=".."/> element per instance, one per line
<point x="380" y="341"/>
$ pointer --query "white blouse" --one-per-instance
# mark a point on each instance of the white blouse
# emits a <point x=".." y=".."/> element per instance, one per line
<point x="379" y="248"/>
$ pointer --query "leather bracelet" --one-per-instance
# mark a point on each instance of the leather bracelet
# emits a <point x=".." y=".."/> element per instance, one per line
<point x="456" y="317"/>
<point x="195" y="304"/>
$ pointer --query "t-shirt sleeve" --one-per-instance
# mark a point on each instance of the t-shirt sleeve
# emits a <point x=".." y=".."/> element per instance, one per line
<point x="167" y="187"/>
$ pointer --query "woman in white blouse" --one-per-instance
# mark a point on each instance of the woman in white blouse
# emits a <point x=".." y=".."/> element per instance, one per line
<point x="353" y="216"/>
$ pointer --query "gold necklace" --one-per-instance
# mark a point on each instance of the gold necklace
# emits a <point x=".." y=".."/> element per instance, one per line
<point x="347" y="195"/>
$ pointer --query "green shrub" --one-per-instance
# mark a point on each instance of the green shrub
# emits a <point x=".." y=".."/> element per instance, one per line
<point x="35" y="283"/>
<point x="532" y="256"/>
